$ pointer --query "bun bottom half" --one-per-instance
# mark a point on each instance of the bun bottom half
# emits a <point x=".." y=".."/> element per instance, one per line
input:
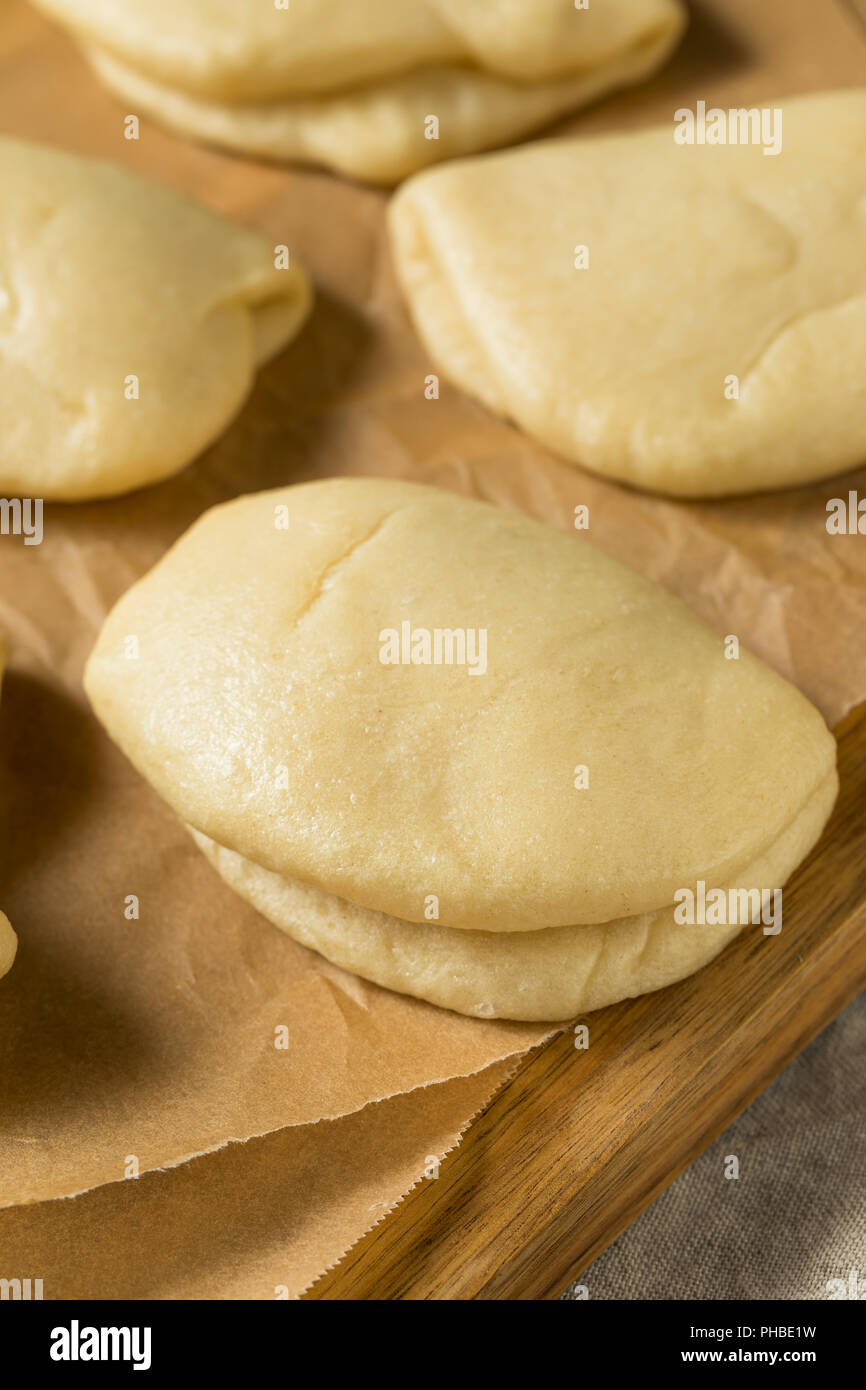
<point x="548" y="975"/>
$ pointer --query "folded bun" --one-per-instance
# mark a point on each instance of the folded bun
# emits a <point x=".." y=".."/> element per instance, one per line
<point x="587" y="750"/>
<point x="136" y="322"/>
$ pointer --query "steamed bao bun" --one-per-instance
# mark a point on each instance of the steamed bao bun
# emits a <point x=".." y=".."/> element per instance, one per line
<point x="342" y="795"/>
<point x="133" y="323"/>
<point x="8" y="944"/>
<point x="354" y="84"/>
<point x="713" y="341"/>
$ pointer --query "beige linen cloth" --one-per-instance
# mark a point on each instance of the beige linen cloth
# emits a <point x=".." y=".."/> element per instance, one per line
<point x="793" y="1221"/>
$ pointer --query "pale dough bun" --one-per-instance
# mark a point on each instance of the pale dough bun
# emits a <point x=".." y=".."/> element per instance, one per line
<point x="104" y="276"/>
<point x="352" y="86"/>
<point x="259" y="708"/>
<point x="706" y="262"/>
<point x="542" y="976"/>
<point x="8" y="939"/>
<point x="376" y="132"/>
<point x="238" y="51"/>
<point x="234" y="51"/>
<point x="8" y="944"/>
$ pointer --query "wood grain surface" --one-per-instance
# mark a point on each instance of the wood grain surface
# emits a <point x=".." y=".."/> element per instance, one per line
<point x="579" y="1142"/>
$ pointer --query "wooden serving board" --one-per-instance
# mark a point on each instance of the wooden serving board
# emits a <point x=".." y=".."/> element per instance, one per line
<point x="579" y="1142"/>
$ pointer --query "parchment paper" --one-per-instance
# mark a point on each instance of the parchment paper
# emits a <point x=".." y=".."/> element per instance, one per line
<point x="261" y="1220"/>
<point x="153" y="1038"/>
